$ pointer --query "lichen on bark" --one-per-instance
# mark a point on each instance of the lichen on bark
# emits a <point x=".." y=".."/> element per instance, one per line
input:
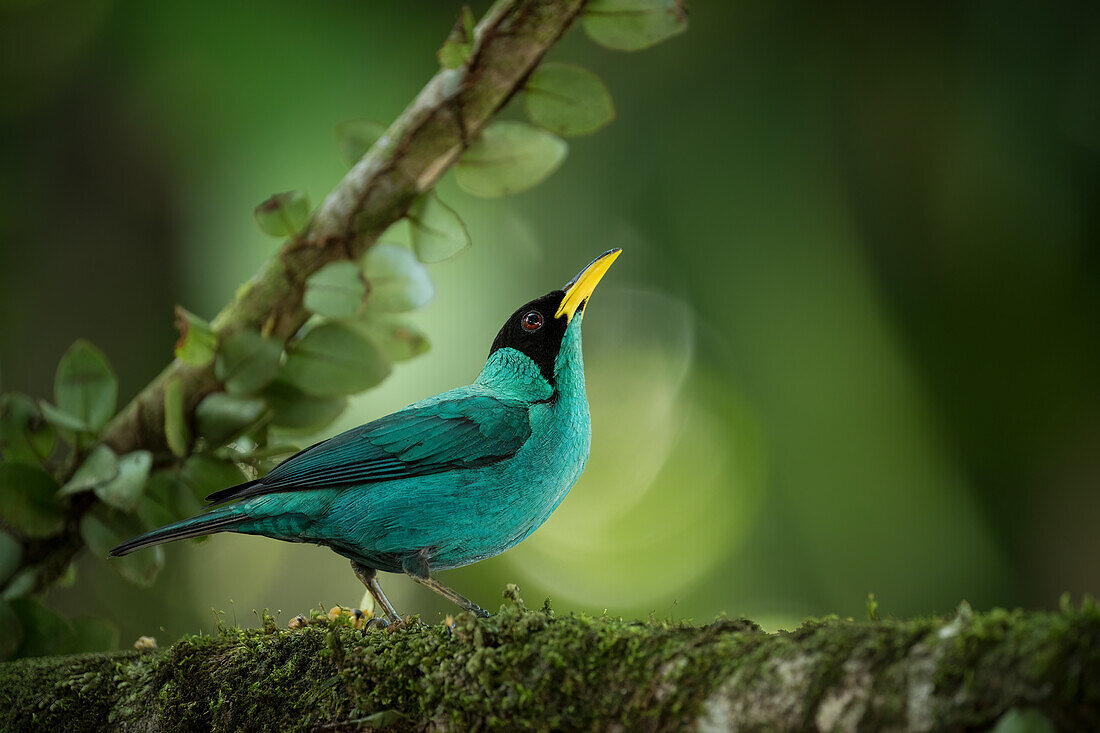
<point x="537" y="669"/>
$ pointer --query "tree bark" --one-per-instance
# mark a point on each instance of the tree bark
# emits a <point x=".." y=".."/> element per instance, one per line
<point x="535" y="669"/>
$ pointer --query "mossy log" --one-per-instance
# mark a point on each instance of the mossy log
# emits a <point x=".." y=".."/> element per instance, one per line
<point x="534" y="669"/>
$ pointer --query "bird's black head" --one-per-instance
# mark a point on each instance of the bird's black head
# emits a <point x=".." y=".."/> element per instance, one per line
<point x="535" y="331"/>
<point x="538" y="327"/>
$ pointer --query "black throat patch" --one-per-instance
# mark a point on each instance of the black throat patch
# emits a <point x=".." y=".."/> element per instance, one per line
<point x="541" y="345"/>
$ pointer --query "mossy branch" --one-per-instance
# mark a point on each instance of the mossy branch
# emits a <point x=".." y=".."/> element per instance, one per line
<point x="527" y="669"/>
<point x="417" y="149"/>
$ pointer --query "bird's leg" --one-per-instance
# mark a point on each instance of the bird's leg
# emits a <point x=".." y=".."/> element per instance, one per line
<point x="416" y="567"/>
<point x="369" y="576"/>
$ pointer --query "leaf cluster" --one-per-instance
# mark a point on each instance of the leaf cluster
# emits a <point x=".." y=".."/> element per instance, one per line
<point x="63" y="487"/>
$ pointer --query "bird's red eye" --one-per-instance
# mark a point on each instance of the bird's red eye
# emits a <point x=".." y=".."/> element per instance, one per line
<point x="532" y="321"/>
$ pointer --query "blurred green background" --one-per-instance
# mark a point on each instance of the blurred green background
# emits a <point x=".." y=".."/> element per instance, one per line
<point x="852" y="345"/>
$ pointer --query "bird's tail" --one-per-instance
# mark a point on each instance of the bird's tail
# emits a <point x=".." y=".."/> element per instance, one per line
<point x="221" y="519"/>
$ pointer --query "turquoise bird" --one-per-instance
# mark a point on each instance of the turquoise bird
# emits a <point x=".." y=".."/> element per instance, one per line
<point x="446" y="482"/>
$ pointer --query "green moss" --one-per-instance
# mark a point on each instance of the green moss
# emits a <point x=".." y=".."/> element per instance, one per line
<point x="569" y="671"/>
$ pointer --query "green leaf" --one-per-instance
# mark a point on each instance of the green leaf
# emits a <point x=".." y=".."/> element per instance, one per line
<point x="85" y="386"/>
<point x="125" y="490"/>
<point x="297" y="411"/>
<point x="436" y="232"/>
<point x="21" y="583"/>
<point x="398" y="282"/>
<point x="28" y="500"/>
<point x="61" y="419"/>
<point x="11" y="552"/>
<point x="459" y="46"/>
<point x="206" y="474"/>
<point x="567" y="99"/>
<point x="334" y="359"/>
<point x="176" y="431"/>
<point x="45" y="631"/>
<point x="284" y="214"/>
<point x="1024" y="720"/>
<point x="155" y="512"/>
<point x="98" y="468"/>
<point x="93" y="635"/>
<point x="247" y="361"/>
<point x="25" y="436"/>
<point x="398" y="338"/>
<point x="222" y="418"/>
<point x="67" y="579"/>
<point x="12" y="637"/>
<point x="336" y="290"/>
<point x="103" y="529"/>
<point x="356" y="137"/>
<point x="166" y="492"/>
<point x="631" y="25"/>
<point x="509" y="157"/>
<point x="197" y="340"/>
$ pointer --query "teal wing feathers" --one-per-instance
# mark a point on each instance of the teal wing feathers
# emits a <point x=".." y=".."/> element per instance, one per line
<point x="443" y="434"/>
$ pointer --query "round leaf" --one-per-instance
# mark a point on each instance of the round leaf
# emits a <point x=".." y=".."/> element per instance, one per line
<point x="98" y="468"/>
<point x="11" y="552"/>
<point x="24" y="435"/>
<point x="176" y="432"/>
<point x="335" y="291"/>
<point x="125" y="490"/>
<point x="284" y="214"/>
<point x="436" y="232"/>
<point x="334" y="359"/>
<point x="1024" y="720"/>
<point x="398" y="282"/>
<point x="459" y="45"/>
<point x="197" y="340"/>
<point x="167" y="498"/>
<point x="21" y="583"/>
<point x="631" y="25"/>
<point x="295" y="410"/>
<point x="207" y="474"/>
<point x="221" y="417"/>
<point x="398" y="338"/>
<point x="356" y="137"/>
<point x="567" y="99"/>
<point x="13" y="631"/>
<point x="509" y="157"/>
<point x="104" y="529"/>
<point x="28" y="501"/>
<point x="61" y="419"/>
<point x="247" y="361"/>
<point x="85" y="386"/>
<point x="45" y="632"/>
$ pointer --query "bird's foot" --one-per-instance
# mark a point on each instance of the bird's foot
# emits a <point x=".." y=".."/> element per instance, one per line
<point x="403" y="623"/>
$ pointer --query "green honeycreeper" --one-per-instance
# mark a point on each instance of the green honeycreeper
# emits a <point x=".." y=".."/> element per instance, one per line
<point x="446" y="482"/>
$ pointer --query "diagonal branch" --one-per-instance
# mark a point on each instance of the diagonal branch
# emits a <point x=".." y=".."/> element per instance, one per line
<point x="419" y="147"/>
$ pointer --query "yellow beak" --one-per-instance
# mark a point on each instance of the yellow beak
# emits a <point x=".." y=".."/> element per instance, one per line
<point x="579" y="288"/>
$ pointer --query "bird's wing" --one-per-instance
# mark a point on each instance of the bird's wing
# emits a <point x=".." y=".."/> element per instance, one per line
<point x="453" y="431"/>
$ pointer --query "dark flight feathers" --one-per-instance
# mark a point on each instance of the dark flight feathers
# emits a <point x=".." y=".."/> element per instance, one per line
<point x="465" y="429"/>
